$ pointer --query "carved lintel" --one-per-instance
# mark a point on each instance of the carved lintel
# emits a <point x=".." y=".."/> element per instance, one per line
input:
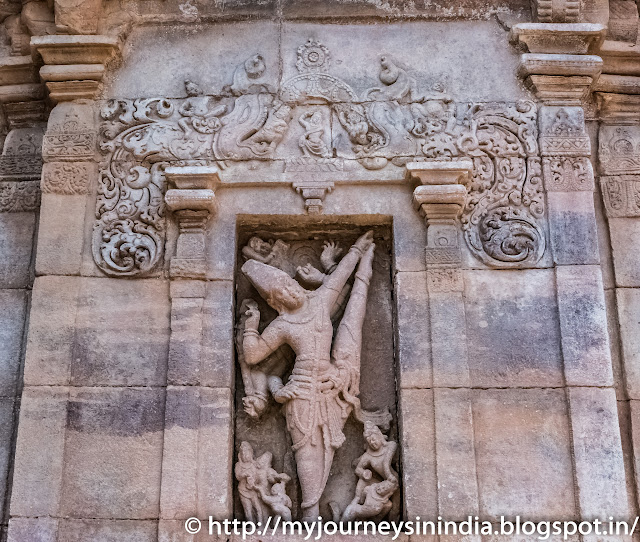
<point x="193" y="202"/>
<point x="313" y="191"/>
<point x="440" y="200"/>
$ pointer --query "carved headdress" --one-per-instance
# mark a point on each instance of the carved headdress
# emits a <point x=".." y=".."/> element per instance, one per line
<point x="269" y="281"/>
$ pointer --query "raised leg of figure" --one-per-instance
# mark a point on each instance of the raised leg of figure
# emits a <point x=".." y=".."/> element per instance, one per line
<point x="348" y="341"/>
<point x="313" y="462"/>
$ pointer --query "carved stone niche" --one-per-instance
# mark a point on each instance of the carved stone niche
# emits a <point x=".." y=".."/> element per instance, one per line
<point x="315" y="255"/>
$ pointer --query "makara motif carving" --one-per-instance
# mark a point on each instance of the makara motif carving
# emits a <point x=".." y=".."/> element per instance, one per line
<point x="323" y="388"/>
<point x="392" y="123"/>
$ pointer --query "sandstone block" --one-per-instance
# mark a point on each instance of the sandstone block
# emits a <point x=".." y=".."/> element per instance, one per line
<point x="417" y="447"/>
<point x="632" y="448"/>
<point x="96" y="530"/>
<point x="523" y="451"/>
<point x="198" y="428"/>
<point x="13" y="307"/>
<point x="449" y="340"/>
<point x="122" y="333"/>
<point x="113" y="453"/>
<point x="39" y="458"/>
<point x="218" y="358"/>
<point x="61" y="234"/>
<point x="16" y="242"/>
<point x="512" y="328"/>
<point x="52" y="329"/>
<point x="6" y="433"/>
<point x="573" y="230"/>
<point x="620" y="379"/>
<point x="628" y="309"/>
<point x="625" y="246"/>
<point x="625" y="413"/>
<point x="599" y="462"/>
<point x="583" y="325"/>
<point x="33" y="530"/>
<point x="412" y="330"/>
<point x="455" y="454"/>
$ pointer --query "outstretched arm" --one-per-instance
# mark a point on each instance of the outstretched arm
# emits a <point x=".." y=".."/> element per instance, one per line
<point x="334" y="283"/>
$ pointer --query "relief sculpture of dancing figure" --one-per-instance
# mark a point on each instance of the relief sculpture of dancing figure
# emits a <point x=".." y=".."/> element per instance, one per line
<point x="323" y="388"/>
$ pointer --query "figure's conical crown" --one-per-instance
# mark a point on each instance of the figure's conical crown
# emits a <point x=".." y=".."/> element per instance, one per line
<point x="266" y="279"/>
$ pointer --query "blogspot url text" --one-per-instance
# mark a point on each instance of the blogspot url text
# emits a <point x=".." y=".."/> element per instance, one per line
<point x="316" y="530"/>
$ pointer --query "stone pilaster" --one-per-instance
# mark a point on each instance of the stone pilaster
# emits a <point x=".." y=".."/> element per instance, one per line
<point x="440" y="198"/>
<point x="199" y="406"/>
<point x="618" y="98"/>
<point x="561" y="69"/>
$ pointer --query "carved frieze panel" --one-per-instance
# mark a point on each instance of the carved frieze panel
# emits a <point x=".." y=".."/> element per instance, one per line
<point x="19" y="196"/>
<point x="621" y="195"/>
<point x="67" y="177"/>
<point x="566" y="174"/>
<point x="619" y="150"/>
<point x="316" y="124"/>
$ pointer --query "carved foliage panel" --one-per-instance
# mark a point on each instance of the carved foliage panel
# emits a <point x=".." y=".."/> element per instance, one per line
<point x="392" y="123"/>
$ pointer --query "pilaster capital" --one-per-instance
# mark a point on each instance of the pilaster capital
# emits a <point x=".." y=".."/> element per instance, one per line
<point x="559" y="66"/>
<point x="74" y="64"/>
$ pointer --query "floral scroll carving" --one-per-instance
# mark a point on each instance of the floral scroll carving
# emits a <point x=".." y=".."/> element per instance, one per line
<point x="392" y="123"/>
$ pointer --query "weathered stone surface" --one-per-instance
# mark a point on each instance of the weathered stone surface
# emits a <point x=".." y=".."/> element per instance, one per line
<point x="16" y="242"/>
<point x="599" y="464"/>
<point x="13" y="304"/>
<point x="33" y="529"/>
<point x="61" y="234"/>
<point x="198" y="427"/>
<point x="455" y="454"/>
<point x="113" y="453"/>
<point x="522" y="441"/>
<point x="122" y="333"/>
<point x="418" y="452"/>
<point x="40" y="454"/>
<point x="628" y="300"/>
<point x="414" y="354"/>
<point x="583" y="325"/>
<point x="94" y="530"/>
<point x="613" y="328"/>
<point x="625" y="246"/>
<point x="6" y="430"/>
<point x="513" y="329"/>
<point x="51" y="331"/>
<point x="625" y="412"/>
<point x="573" y="228"/>
<point x="217" y="341"/>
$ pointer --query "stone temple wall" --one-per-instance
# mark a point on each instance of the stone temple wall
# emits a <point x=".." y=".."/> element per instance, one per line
<point x="177" y="176"/>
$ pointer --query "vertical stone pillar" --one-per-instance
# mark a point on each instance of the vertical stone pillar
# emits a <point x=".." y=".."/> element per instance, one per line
<point x="560" y="69"/>
<point x="199" y="407"/>
<point x="619" y="169"/>
<point x="439" y="198"/>
<point x="53" y="360"/>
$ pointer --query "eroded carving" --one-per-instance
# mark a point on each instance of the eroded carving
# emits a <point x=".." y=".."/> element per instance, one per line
<point x="377" y="481"/>
<point x="262" y="489"/>
<point x="619" y="150"/>
<point x="621" y="195"/>
<point x="66" y="177"/>
<point x="19" y="196"/>
<point x="323" y="388"/>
